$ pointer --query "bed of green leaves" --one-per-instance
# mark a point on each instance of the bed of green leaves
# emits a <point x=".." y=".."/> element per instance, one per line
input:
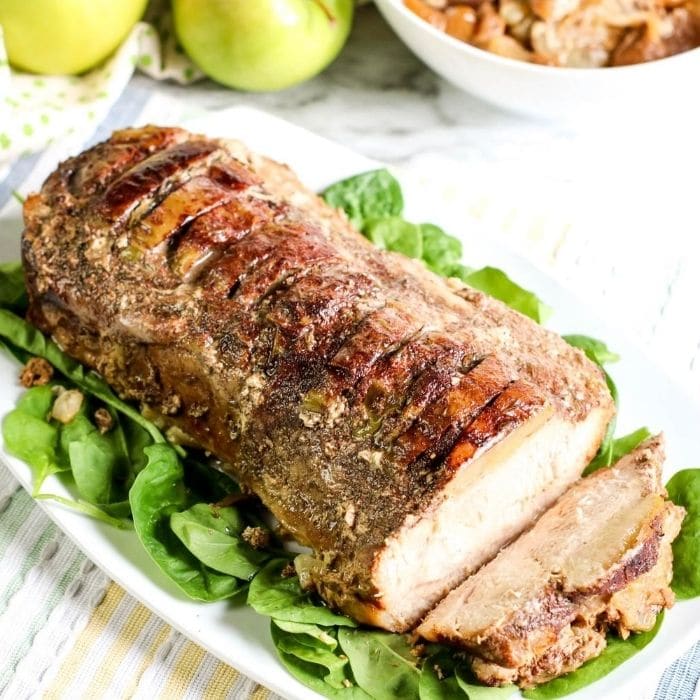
<point x="131" y="476"/>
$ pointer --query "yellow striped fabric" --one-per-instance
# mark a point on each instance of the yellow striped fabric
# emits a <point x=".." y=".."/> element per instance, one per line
<point x="140" y="656"/>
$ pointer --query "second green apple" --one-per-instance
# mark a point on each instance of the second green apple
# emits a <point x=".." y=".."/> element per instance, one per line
<point x="262" y="45"/>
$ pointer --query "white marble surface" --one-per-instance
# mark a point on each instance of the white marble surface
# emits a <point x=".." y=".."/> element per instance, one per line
<point x="611" y="208"/>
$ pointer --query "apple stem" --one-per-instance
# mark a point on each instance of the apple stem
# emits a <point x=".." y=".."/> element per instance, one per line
<point x="327" y="12"/>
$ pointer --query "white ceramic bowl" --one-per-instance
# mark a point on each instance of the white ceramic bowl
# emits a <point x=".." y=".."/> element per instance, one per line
<point x="660" y="87"/>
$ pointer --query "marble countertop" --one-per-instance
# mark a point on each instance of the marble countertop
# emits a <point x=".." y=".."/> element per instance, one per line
<point x="381" y="100"/>
<point x="608" y="207"/>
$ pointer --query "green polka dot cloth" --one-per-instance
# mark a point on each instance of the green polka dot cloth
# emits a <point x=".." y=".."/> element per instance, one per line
<point x="37" y="110"/>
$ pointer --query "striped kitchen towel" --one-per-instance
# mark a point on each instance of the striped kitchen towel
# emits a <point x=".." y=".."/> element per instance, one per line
<point x="68" y="632"/>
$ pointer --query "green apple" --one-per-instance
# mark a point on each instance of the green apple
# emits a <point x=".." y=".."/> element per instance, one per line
<point x="65" y="36"/>
<point x="262" y="45"/>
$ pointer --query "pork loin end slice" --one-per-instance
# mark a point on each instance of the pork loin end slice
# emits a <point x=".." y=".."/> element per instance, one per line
<point x="600" y="559"/>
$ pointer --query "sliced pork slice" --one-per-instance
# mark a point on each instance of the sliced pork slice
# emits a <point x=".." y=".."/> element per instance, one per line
<point x="599" y="559"/>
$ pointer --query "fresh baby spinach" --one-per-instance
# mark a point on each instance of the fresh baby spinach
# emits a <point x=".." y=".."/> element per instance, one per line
<point x="398" y="235"/>
<point x="317" y="649"/>
<point x="597" y="351"/>
<point x="369" y="196"/>
<point x="381" y="663"/>
<point x="496" y="283"/>
<point x="684" y="490"/>
<point x="13" y="293"/>
<point x="437" y="679"/>
<point x="157" y="493"/>
<point x="213" y="535"/>
<point x="314" y="666"/>
<point x="445" y="676"/>
<point x="282" y="598"/>
<point x="29" y="435"/>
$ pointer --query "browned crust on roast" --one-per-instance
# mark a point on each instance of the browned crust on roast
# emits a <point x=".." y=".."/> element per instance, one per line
<point x="230" y="318"/>
<point x="543" y="357"/>
<point x="513" y="407"/>
<point x="576" y="644"/>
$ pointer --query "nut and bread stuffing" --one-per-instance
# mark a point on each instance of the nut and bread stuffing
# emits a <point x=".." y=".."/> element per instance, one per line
<point x="570" y="33"/>
<point x="36" y="372"/>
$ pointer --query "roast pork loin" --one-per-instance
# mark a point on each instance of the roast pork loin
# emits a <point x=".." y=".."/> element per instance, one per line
<point x="403" y="427"/>
<point x="599" y="559"/>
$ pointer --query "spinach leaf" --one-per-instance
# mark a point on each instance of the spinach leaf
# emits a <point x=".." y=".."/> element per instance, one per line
<point x="445" y="676"/>
<point x="437" y="678"/>
<point x="37" y="401"/>
<point x="616" y="449"/>
<point x="29" y="436"/>
<point x="20" y="355"/>
<point x="397" y="235"/>
<point x="207" y="482"/>
<point x="101" y="464"/>
<point x="596" y="350"/>
<point x="372" y="195"/>
<point x="442" y="253"/>
<point x="381" y="663"/>
<point x="95" y="464"/>
<point x="13" y="294"/>
<point x="476" y="691"/>
<point x="604" y="458"/>
<point x="75" y="431"/>
<point x="496" y="283"/>
<point x="213" y="536"/>
<point x="313" y="649"/>
<point x="135" y="439"/>
<point x="615" y="653"/>
<point x="432" y="687"/>
<point x="313" y="675"/>
<point x="282" y="598"/>
<point x="87" y="509"/>
<point x="157" y="493"/>
<point x="49" y="448"/>
<point x="459" y="271"/>
<point x="684" y="490"/>
<point x="625" y="444"/>
<point x="24" y="336"/>
<point x="320" y="633"/>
